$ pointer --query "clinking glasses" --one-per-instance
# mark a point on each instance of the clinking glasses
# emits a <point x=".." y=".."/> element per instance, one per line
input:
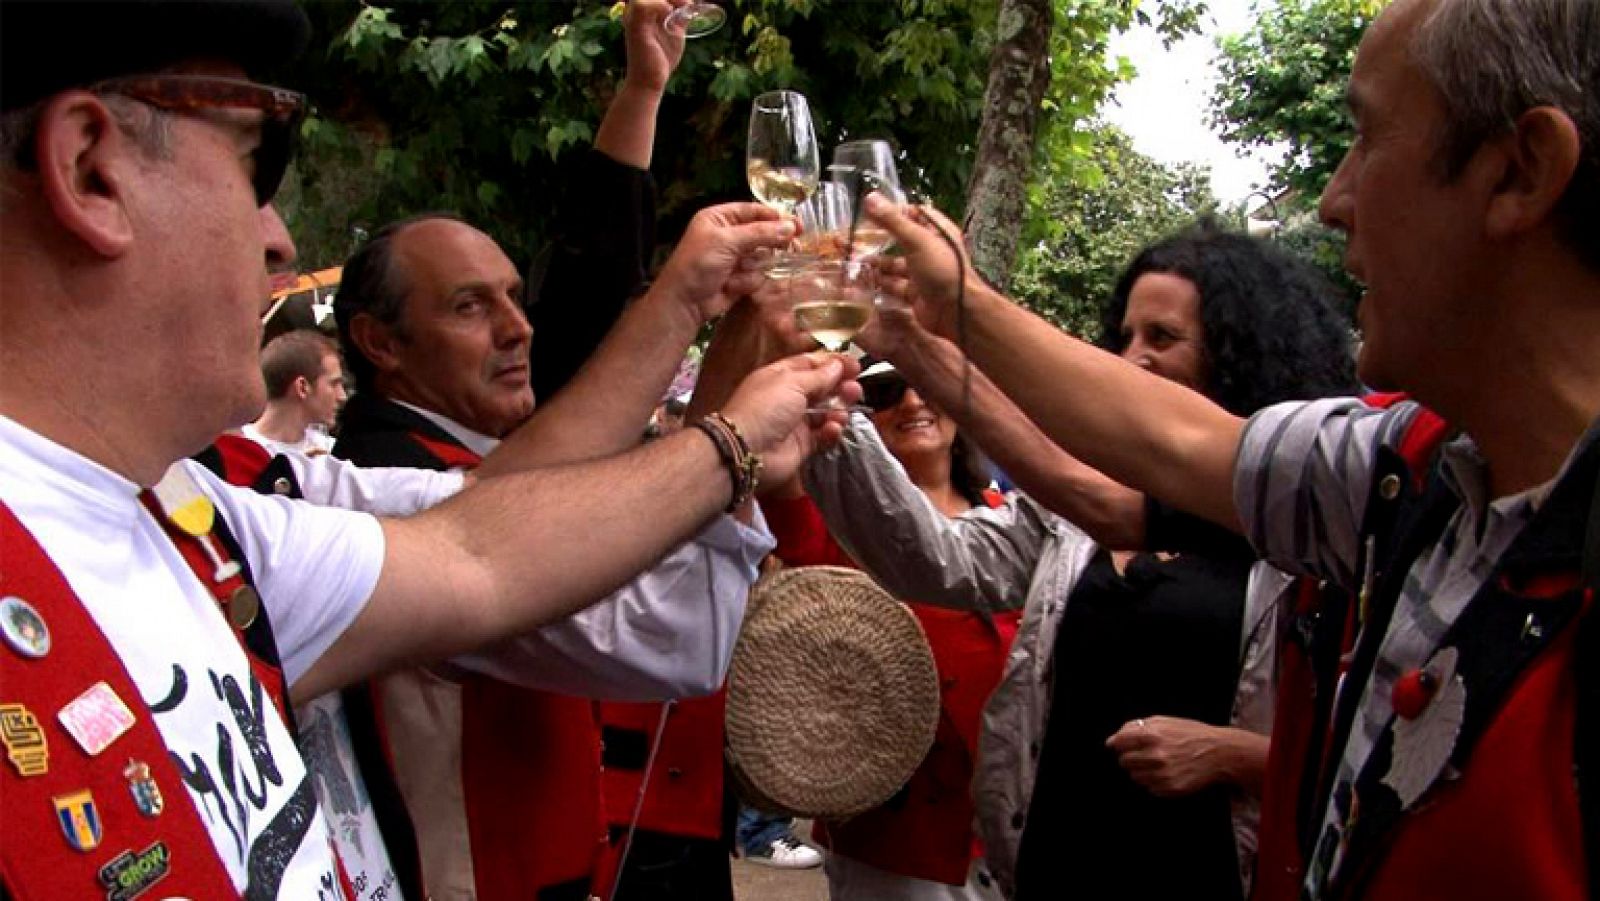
<point x="281" y="113"/>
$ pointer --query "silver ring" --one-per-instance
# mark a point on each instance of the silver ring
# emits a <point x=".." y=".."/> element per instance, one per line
<point x="1140" y="724"/>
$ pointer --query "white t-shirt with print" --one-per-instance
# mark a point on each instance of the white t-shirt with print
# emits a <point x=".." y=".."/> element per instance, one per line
<point x="315" y="569"/>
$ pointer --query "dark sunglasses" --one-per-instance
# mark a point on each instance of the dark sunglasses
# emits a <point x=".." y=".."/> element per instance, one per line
<point x="281" y="113"/>
<point x="882" y="392"/>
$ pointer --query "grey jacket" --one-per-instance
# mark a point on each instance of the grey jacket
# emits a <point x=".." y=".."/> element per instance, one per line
<point x="997" y="559"/>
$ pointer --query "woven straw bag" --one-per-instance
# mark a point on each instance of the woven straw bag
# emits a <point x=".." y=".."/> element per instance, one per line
<point x="833" y="698"/>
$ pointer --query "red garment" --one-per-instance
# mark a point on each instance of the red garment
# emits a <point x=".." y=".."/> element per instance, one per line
<point x="925" y="831"/>
<point x="529" y="773"/>
<point x="1509" y="827"/>
<point x="36" y="862"/>
<point x="685" y="794"/>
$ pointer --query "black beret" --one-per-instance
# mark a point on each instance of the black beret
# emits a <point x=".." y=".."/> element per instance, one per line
<point x="48" y="46"/>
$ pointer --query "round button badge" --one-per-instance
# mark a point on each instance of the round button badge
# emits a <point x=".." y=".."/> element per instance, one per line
<point x="24" y="629"/>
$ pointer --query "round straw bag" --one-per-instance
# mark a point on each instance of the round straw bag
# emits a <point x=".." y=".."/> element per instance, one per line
<point x="832" y="694"/>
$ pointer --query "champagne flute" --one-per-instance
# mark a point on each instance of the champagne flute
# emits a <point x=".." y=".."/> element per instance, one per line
<point x="871" y="161"/>
<point x="697" y="19"/>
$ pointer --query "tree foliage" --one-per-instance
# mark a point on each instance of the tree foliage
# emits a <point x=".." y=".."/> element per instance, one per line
<point x="1283" y="82"/>
<point x="1087" y="221"/>
<point x="472" y="105"/>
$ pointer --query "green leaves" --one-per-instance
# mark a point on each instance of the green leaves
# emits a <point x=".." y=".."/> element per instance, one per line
<point x="573" y="131"/>
<point x="1283" y="82"/>
<point x="473" y="105"/>
<point x="1092" y="208"/>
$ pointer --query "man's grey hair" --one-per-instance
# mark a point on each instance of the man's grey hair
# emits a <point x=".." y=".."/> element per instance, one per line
<point x="149" y="127"/>
<point x="1493" y="60"/>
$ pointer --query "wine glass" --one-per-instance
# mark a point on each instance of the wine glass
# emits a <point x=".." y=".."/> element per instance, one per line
<point x="872" y="162"/>
<point x="781" y="157"/>
<point x="697" y="19"/>
<point x="826" y="219"/>
<point x="832" y="300"/>
<point x="781" y="160"/>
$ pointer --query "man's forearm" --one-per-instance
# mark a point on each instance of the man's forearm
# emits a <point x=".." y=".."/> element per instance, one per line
<point x="1109" y="512"/>
<point x="1241" y="758"/>
<point x="628" y="132"/>
<point x="1137" y="428"/>
<point x="514" y="553"/>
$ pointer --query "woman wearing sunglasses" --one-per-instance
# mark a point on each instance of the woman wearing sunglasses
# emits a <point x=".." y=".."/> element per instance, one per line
<point x="919" y="844"/>
<point x="1120" y="751"/>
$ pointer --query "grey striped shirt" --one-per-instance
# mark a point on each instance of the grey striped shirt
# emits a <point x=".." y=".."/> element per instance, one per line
<point x="1301" y="488"/>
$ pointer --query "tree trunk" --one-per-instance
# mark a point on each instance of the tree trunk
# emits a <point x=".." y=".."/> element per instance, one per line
<point x="1019" y="75"/>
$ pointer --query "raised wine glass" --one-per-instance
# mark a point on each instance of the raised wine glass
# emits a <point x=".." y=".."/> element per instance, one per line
<point x="832" y="300"/>
<point x="872" y="161"/>
<point x="781" y="160"/>
<point x="697" y="19"/>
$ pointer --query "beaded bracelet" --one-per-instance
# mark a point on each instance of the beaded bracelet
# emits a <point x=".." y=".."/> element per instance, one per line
<point x="744" y="467"/>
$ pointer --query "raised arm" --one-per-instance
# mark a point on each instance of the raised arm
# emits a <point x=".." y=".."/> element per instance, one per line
<point x="1137" y="428"/>
<point x="515" y="552"/>
<point x="1112" y="514"/>
<point x="983" y="560"/>
<point x="604" y="409"/>
<point x="628" y="132"/>
<point x="600" y="255"/>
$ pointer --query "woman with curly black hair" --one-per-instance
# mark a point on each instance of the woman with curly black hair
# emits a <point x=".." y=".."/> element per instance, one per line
<point x="1122" y="748"/>
<point x="1271" y="324"/>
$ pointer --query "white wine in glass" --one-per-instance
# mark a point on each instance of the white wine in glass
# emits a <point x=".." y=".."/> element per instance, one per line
<point x="781" y="159"/>
<point x="697" y="19"/>
<point x="832" y="322"/>
<point x="780" y="188"/>
<point x="832" y="300"/>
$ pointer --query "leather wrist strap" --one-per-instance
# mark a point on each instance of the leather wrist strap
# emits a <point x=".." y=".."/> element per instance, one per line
<point x="744" y="467"/>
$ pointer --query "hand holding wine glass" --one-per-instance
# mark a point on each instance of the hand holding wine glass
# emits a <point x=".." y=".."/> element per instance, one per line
<point x="653" y="50"/>
<point x="708" y="270"/>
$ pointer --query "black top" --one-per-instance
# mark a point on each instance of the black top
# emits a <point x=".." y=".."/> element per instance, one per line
<point x="579" y="285"/>
<point x="1162" y="638"/>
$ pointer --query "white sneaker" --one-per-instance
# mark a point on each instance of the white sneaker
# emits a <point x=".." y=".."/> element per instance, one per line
<point x="787" y="853"/>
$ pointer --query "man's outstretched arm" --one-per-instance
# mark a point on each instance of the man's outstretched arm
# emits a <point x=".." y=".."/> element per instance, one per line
<point x="516" y="552"/>
<point x="1112" y="514"/>
<point x="1136" y="427"/>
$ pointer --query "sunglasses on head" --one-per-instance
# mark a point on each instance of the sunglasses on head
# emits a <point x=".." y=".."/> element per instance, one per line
<point x="281" y="113"/>
<point x="882" y="392"/>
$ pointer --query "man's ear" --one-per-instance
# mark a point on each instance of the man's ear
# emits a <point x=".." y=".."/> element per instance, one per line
<point x="1541" y="154"/>
<point x="86" y="166"/>
<point x="376" y="342"/>
<point x="302" y="387"/>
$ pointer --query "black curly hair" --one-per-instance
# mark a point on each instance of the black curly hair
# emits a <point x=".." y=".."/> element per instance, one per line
<point x="1272" y="323"/>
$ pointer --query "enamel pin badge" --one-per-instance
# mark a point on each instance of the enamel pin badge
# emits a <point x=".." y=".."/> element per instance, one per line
<point x="96" y="718"/>
<point x="26" y="746"/>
